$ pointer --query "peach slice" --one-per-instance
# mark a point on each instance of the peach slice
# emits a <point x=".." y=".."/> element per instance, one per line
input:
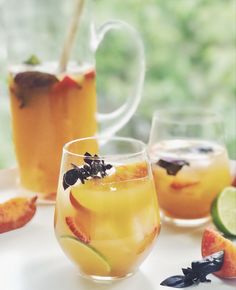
<point x="83" y="216"/>
<point x="213" y="241"/>
<point x="180" y="184"/>
<point x="65" y="84"/>
<point x="75" y="203"/>
<point x="128" y="172"/>
<point x="234" y="182"/>
<point x="148" y="239"/>
<point x="50" y="196"/>
<point x="90" y="75"/>
<point x="110" y="194"/>
<point x="77" y="230"/>
<point x="16" y="212"/>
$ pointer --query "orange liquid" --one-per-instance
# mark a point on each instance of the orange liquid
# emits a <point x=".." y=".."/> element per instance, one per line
<point x="190" y="193"/>
<point x="51" y="117"/>
<point x="120" y="215"/>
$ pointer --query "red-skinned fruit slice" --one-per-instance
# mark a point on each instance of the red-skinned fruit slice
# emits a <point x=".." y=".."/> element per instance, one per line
<point x="66" y="83"/>
<point x="178" y="185"/>
<point x="16" y="212"/>
<point x="50" y="196"/>
<point x="77" y="231"/>
<point x="83" y="215"/>
<point x="233" y="174"/>
<point x="148" y="240"/>
<point x="75" y="203"/>
<point x="212" y="242"/>
<point x="234" y="182"/>
<point x="90" y="75"/>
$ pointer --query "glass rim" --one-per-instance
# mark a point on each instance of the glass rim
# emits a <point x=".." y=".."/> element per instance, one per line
<point x="143" y="146"/>
<point x="170" y="115"/>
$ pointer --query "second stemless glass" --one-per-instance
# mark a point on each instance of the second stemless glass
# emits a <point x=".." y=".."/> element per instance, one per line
<point x="107" y="215"/>
<point x="189" y="162"/>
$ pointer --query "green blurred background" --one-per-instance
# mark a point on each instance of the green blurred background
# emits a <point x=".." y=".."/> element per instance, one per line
<point x="191" y="60"/>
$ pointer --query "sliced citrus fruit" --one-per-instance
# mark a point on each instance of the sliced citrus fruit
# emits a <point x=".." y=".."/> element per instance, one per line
<point x="223" y="211"/>
<point x="90" y="260"/>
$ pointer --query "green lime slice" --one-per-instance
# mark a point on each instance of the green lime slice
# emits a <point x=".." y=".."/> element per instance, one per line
<point x="85" y="256"/>
<point x="223" y="211"/>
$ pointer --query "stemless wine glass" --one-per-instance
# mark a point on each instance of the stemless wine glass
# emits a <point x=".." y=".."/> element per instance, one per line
<point x="189" y="163"/>
<point x="107" y="215"/>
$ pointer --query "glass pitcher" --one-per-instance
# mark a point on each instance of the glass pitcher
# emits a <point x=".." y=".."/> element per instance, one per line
<point x="52" y="86"/>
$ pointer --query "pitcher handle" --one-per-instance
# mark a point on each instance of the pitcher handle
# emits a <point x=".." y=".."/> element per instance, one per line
<point x="119" y="117"/>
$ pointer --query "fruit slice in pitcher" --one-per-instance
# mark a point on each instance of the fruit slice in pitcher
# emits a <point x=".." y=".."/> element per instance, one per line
<point x="90" y="260"/>
<point x="66" y="83"/>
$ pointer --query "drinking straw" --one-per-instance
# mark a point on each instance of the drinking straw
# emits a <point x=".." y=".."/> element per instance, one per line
<point x="70" y="38"/>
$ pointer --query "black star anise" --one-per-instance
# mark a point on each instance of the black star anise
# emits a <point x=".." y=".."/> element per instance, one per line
<point x="197" y="273"/>
<point x="93" y="168"/>
<point x="172" y="166"/>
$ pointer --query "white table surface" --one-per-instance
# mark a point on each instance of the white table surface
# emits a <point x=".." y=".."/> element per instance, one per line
<point x="31" y="259"/>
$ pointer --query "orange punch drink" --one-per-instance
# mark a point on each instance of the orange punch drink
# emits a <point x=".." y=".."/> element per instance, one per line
<point x="48" y="110"/>
<point x="107" y="216"/>
<point x="189" y="162"/>
<point x="188" y="175"/>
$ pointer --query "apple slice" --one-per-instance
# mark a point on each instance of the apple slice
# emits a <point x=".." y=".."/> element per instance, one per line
<point x="213" y="241"/>
<point x="90" y="260"/>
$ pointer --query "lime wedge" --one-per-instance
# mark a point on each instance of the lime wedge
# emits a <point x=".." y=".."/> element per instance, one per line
<point x="223" y="211"/>
<point x="85" y="256"/>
